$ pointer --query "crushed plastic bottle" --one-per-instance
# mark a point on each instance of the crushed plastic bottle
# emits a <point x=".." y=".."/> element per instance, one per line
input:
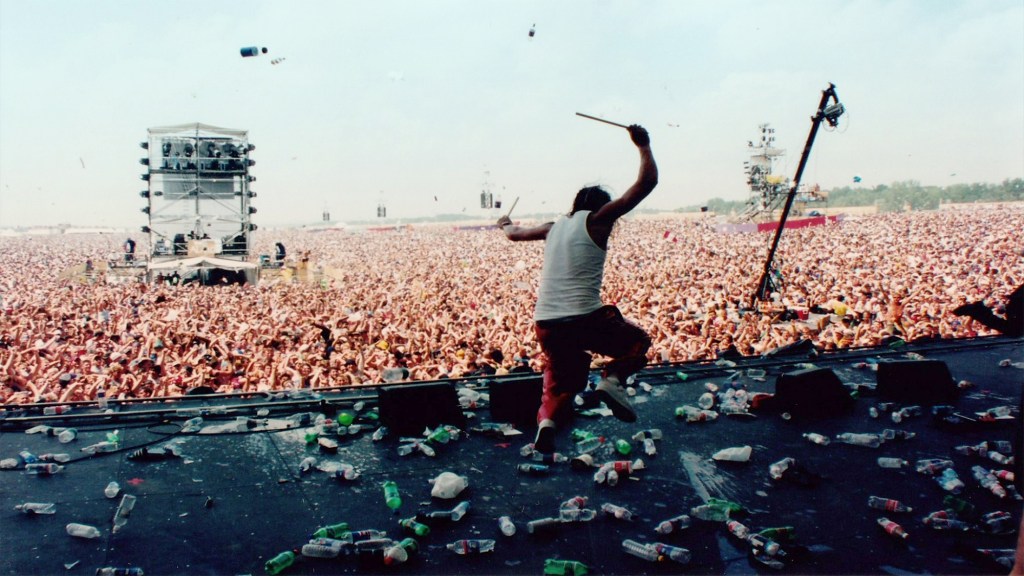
<point x="577" y="514"/>
<point x="988" y="481"/>
<point x="471" y="546"/>
<point x="115" y="571"/>
<point x="888" y="504"/>
<point x="816" y="438"/>
<point x="673" y="524"/>
<point x="779" y="468"/>
<point x="574" y="503"/>
<point x="733" y="454"/>
<point x="617" y="511"/>
<point x="43" y="468"/>
<point x="941" y="520"/>
<point x="889" y="434"/>
<point x="694" y="414"/>
<point x="868" y="440"/>
<point x="932" y="466"/>
<point x="949" y="481"/>
<point x="674" y="553"/>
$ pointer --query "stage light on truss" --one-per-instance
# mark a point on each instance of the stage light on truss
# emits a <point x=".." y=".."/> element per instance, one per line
<point x="146" y="229"/>
<point x="252" y="209"/>
<point x="144" y="194"/>
<point x="250" y="178"/>
<point x="251" y="147"/>
<point x="144" y="177"/>
<point x="144" y="145"/>
<point x="250" y="162"/>
<point x="144" y="210"/>
<point x="144" y="161"/>
<point x="252" y="227"/>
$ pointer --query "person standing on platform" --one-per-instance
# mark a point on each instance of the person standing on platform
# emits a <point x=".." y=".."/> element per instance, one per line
<point x="571" y="322"/>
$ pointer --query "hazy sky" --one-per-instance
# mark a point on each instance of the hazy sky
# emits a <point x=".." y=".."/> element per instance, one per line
<point x="403" y="101"/>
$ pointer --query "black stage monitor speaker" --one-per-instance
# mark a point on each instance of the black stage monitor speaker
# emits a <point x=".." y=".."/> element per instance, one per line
<point x="802" y="347"/>
<point x="812" y="393"/>
<point x="407" y="409"/>
<point x="516" y="400"/>
<point x="916" y="382"/>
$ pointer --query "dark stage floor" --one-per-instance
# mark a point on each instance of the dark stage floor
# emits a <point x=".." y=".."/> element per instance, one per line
<point x="236" y="498"/>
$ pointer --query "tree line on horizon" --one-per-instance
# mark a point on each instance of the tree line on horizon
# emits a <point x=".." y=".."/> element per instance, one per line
<point x="898" y="196"/>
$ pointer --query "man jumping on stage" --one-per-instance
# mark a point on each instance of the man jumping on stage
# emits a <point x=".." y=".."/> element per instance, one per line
<point x="571" y="321"/>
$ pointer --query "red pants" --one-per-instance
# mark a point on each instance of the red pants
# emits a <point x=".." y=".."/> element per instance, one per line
<point x="568" y="345"/>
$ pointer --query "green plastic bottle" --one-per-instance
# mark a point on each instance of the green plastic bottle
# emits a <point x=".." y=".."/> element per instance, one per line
<point x="415" y="527"/>
<point x="278" y="563"/>
<point x="564" y="567"/>
<point x="391" y="496"/>
<point x="440" y="435"/>
<point x="779" y="533"/>
<point x="332" y="531"/>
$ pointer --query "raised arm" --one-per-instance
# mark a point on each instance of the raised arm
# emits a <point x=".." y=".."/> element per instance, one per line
<point x="520" y="234"/>
<point x="646" y="180"/>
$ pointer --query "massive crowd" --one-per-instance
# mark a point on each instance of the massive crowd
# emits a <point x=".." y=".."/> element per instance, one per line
<point x="440" y="303"/>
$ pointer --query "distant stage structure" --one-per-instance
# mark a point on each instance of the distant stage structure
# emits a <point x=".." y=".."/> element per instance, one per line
<point x="768" y="188"/>
<point x="198" y="200"/>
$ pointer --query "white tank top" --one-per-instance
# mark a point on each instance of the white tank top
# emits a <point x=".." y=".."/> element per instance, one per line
<point x="570" y="283"/>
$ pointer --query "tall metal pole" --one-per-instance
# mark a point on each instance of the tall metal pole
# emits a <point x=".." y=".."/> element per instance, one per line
<point x="763" y="284"/>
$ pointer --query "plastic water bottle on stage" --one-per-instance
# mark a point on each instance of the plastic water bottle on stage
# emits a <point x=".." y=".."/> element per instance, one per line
<point x="618" y="511"/>
<point x="82" y="530"/>
<point x="673" y="524"/>
<point x="32" y="508"/>
<point x="868" y="440"/>
<point x="111" y="571"/>
<point x="673" y="553"/>
<point x="576" y="514"/>
<point x="819" y="439"/>
<point x="895" y="463"/>
<point x="508" y="528"/>
<point x="639" y="550"/>
<point x="471" y="546"/>
<point x="888" y="504"/>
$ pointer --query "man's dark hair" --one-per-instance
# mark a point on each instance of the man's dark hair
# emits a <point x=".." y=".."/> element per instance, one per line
<point x="590" y="198"/>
